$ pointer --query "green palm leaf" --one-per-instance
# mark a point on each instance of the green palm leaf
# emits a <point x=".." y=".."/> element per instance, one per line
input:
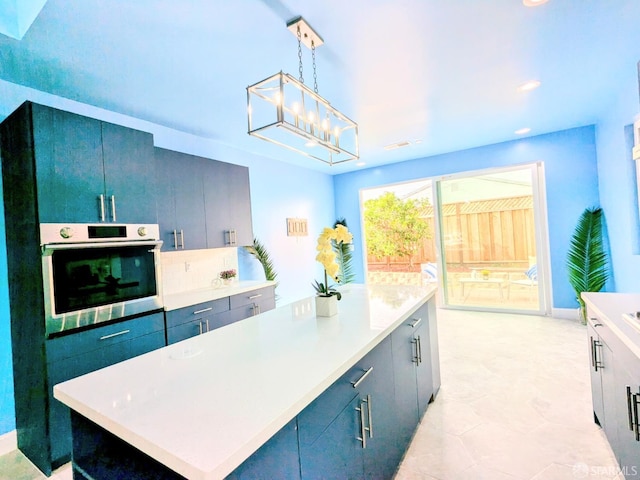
<point x="587" y="262"/>
<point x="259" y="251"/>
<point x="344" y="257"/>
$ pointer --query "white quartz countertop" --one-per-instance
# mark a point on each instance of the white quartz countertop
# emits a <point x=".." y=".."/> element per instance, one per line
<point x="203" y="405"/>
<point x="193" y="297"/>
<point x="610" y="307"/>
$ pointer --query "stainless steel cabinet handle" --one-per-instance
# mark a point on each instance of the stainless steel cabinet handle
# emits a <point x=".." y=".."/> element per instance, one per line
<point x="361" y="379"/>
<point x="363" y="433"/>
<point x="102" y="214"/>
<point x="635" y="414"/>
<point x="113" y="208"/>
<point x="117" y="334"/>
<point x="598" y="363"/>
<point x="419" y="350"/>
<point x="175" y="239"/>
<point x="197" y="312"/>
<point x="255" y="296"/>
<point x="207" y="323"/>
<point x="416" y="322"/>
<point x="182" y="239"/>
<point x="416" y="358"/>
<point x="369" y="406"/>
<point x="593" y="353"/>
<point x="256" y="309"/>
<point x="629" y="408"/>
<point x="235" y="238"/>
<point x="200" y="327"/>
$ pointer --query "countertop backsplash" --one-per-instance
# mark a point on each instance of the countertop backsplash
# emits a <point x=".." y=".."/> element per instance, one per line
<point x="196" y="269"/>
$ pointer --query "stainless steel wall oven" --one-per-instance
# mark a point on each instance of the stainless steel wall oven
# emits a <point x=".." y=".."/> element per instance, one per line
<point x="96" y="273"/>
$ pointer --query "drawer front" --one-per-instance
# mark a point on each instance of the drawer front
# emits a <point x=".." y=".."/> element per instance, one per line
<point x="87" y="341"/>
<point x="251" y="297"/>
<point x="194" y="312"/>
<point x="197" y="327"/>
<point x="408" y="328"/>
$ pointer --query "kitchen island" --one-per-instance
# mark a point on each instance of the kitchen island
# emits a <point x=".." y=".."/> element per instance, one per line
<point x="202" y="406"/>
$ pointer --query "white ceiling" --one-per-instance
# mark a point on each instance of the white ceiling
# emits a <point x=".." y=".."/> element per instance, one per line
<point x="441" y="71"/>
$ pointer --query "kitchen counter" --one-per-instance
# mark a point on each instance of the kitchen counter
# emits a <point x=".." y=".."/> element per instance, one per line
<point x="204" y="405"/>
<point x="175" y="301"/>
<point x="610" y="308"/>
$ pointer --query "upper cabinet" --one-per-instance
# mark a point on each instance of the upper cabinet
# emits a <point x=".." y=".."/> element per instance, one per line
<point x="86" y="171"/>
<point x="204" y="203"/>
<point x="227" y="205"/>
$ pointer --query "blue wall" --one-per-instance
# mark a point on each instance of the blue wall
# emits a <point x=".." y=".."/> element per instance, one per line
<point x="571" y="177"/>
<point x="7" y="419"/>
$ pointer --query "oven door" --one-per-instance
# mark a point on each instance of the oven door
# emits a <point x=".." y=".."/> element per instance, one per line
<point x="90" y="283"/>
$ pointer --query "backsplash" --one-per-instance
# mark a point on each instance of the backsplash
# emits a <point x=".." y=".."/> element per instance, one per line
<point x="196" y="269"/>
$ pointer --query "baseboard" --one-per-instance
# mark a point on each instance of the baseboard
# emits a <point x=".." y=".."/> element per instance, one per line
<point x="567" y="313"/>
<point x="8" y="442"/>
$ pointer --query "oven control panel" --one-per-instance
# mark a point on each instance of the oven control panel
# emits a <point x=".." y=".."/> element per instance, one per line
<point x="51" y="233"/>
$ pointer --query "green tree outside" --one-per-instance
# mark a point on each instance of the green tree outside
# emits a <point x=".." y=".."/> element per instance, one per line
<point x="395" y="227"/>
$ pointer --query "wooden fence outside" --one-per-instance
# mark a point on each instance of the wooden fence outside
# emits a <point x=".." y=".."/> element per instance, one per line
<point x="486" y="232"/>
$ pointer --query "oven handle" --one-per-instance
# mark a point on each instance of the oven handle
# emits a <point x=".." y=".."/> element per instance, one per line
<point x="51" y="247"/>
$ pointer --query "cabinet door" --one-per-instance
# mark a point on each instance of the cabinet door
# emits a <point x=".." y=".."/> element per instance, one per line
<point x="141" y="335"/>
<point x="129" y="171"/>
<point x="382" y="453"/>
<point x="181" y="200"/>
<point x="595" y="358"/>
<point x="424" y="374"/>
<point x="278" y="458"/>
<point x="70" y="174"/>
<point x="627" y="393"/>
<point x="228" y="205"/>
<point x="406" y="388"/>
<point x="337" y="452"/>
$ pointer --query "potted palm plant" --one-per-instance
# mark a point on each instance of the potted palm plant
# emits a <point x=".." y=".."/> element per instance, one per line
<point x="587" y="260"/>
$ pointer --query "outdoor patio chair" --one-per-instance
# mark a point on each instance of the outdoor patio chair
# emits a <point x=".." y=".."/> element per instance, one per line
<point x="530" y="281"/>
<point x="429" y="272"/>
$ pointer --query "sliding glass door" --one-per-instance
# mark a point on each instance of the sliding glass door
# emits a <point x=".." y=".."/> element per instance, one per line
<point x="489" y="232"/>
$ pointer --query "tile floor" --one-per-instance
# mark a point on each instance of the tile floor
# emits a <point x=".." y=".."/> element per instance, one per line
<point x="515" y="404"/>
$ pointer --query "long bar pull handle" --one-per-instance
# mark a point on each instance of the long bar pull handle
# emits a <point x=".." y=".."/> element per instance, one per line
<point x="593" y="354"/>
<point x="234" y="242"/>
<point x="200" y="327"/>
<point x="256" y="309"/>
<point x="366" y="373"/>
<point x="117" y="334"/>
<point x="363" y="432"/>
<point x="419" y="350"/>
<point x="415" y="359"/>
<point x="102" y="213"/>
<point x="416" y="322"/>
<point x="630" y="408"/>
<point x="252" y="297"/>
<point x="207" y="323"/>
<point x="198" y="312"/>
<point x="596" y="344"/>
<point x="369" y="406"/>
<point x="175" y="239"/>
<point x="113" y="208"/>
<point x="182" y="239"/>
<point x="635" y="415"/>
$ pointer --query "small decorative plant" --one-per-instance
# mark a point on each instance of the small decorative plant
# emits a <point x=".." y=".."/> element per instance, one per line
<point x="327" y="257"/>
<point x="228" y="274"/>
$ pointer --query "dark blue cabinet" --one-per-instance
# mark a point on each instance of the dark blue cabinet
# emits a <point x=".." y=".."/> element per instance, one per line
<point x="228" y="205"/>
<point x="88" y="171"/>
<point x="79" y="353"/>
<point x="278" y="458"/>
<point x="181" y="201"/>
<point x="349" y="431"/>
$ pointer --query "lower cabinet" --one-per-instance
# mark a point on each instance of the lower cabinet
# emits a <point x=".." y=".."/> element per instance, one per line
<point x="615" y="387"/>
<point x="83" y="352"/>
<point x="197" y="319"/>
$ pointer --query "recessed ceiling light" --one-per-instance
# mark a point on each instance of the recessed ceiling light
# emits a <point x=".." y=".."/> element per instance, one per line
<point x="522" y="131"/>
<point x="393" y="146"/>
<point x="530" y="85"/>
<point x="533" y="3"/>
<point x="360" y="164"/>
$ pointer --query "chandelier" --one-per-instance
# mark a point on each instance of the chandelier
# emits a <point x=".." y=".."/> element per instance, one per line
<point x="284" y="111"/>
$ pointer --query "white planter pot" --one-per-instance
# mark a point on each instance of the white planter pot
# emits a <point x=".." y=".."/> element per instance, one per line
<point x="326" y="306"/>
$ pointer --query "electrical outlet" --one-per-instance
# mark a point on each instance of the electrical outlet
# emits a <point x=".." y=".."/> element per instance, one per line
<point x="187" y="266"/>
